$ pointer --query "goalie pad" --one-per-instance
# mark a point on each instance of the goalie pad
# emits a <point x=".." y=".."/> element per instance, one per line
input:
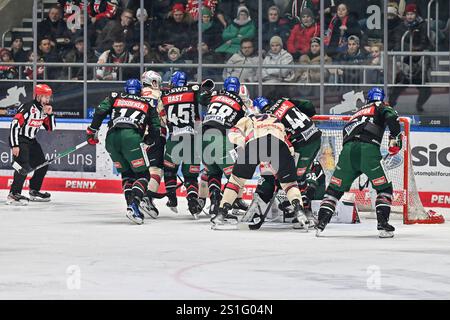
<point x="346" y="211"/>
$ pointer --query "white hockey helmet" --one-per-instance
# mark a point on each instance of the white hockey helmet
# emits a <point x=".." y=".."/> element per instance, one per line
<point x="152" y="79"/>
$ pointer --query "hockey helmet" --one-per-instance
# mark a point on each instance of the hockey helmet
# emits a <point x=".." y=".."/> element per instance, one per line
<point x="375" y="94"/>
<point x="260" y="103"/>
<point x="232" y="84"/>
<point x="133" y="86"/>
<point x="151" y="79"/>
<point x="42" y="90"/>
<point x="178" y="79"/>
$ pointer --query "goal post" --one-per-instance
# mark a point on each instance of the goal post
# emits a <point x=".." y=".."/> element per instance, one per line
<point x="398" y="168"/>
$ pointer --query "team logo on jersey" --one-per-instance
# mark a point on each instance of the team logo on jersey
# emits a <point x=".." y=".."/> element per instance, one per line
<point x="129" y="103"/>
<point x="169" y="164"/>
<point x="379" y="181"/>
<point x="194" y="169"/>
<point x="138" y="163"/>
<point x="36" y="123"/>
<point x="336" y="181"/>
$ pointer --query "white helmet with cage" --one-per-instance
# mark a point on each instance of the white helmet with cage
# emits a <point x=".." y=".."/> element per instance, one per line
<point x="152" y="79"/>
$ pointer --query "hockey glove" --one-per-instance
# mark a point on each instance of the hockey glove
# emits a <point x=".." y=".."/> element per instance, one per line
<point x="395" y="144"/>
<point x="92" y="135"/>
<point x="208" y="85"/>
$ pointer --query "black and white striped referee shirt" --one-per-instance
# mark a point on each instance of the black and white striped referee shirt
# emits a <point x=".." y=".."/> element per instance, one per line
<point x="27" y="122"/>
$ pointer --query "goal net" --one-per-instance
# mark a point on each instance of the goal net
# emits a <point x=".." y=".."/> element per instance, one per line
<point x="406" y="201"/>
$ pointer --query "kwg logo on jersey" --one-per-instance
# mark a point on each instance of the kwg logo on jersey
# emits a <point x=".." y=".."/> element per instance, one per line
<point x="128" y="103"/>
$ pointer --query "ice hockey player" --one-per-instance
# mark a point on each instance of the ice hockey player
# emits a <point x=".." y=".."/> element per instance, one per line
<point x="302" y="133"/>
<point x="154" y="145"/>
<point x="225" y="109"/>
<point x="181" y="112"/>
<point x="261" y="138"/>
<point x="131" y="116"/>
<point x="361" y="154"/>
<point x="26" y="150"/>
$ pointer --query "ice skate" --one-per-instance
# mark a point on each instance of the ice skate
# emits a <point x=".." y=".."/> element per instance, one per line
<point x="134" y="214"/>
<point x="172" y="201"/>
<point x="224" y="220"/>
<point x="301" y="219"/>
<point x="37" y="196"/>
<point x="215" y="202"/>
<point x="17" y="200"/>
<point x="324" y="219"/>
<point x="385" y="230"/>
<point x="194" y="206"/>
<point x="239" y="206"/>
<point x="148" y="207"/>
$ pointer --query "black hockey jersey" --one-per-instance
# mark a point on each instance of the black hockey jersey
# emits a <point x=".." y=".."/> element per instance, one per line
<point x="181" y="109"/>
<point x="368" y="123"/>
<point x="27" y="122"/>
<point x="225" y="109"/>
<point x="300" y="128"/>
<point x="127" y="111"/>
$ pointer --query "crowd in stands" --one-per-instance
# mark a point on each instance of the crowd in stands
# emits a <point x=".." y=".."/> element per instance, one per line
<point x="229" y="35"/>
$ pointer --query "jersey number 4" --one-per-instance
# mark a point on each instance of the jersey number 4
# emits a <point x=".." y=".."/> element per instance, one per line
<point x="298" y="121"/>
<point x="180" y="115"/>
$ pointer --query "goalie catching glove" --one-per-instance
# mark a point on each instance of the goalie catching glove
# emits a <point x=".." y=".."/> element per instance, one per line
<point x="395" y="144"/>
<point x="92" y="135"/>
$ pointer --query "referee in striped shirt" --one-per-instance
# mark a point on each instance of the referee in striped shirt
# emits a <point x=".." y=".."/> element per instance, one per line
<point x="26" y="149"/>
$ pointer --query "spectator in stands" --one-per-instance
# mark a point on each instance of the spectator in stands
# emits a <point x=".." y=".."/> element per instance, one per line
<point x="246" y="55"/>
<point x="275" y="26"/>
<point x="78" y="31"/>
<point x="177" y="32"/>
<point x="151" y="29"/>
<point x="395" y="27"/>
<point x="210" y="57"/>
<point x="192" y="7"/>
<point x="150" y="55"/>
<point x="102" y="11"/>
<point x="228" y="9"/>
<point x="18" y="53"/>
<point x="341" y="27"/>
<point x="412" y="69"/>
<point x="354" y="56"/>
<point x="275" y="57"/>
<point x="117" y="54"/>
<point x="211" y="29"/>
<point x="77" y="55"/>
<point x="300" y="38"/>
<point x="55" y="29"/>
<point x="47" y="53"/>
<point x="242" y="27"/>
<point x="117" y="28"/>
<point x="7" y="72"/>
<point x="28" y="70"/>
<point x="173" y="56"/>
<point x="376" y="59"/>
<point x="306" y="75"/>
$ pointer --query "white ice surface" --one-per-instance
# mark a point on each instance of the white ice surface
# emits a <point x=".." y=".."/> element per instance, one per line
<point x="176" y="257"/>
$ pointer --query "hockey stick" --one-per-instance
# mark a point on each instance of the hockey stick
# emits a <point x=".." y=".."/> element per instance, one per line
<point x="262" y="217"/>
<point x="25" y="172"/>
